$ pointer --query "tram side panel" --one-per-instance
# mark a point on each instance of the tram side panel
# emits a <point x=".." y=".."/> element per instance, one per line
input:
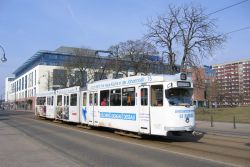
<point x="83" y="108"/>
<point x="40" y="109"/>
<point x="68" y="104"/>
<point x="59" y="107"/>
<point x="50" y="107"/>
<point x="74" y="108"/>
<point x="116" y="108"/>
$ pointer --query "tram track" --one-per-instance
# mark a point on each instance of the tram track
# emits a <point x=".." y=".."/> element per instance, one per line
<point x="219" y="143"/>
<point x="231" y="150"/>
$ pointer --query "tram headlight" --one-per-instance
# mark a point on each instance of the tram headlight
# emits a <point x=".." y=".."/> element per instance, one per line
<point x="183" y="76"/>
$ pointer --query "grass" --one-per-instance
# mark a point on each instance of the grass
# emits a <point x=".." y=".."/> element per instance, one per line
<point x="242" y="114"/>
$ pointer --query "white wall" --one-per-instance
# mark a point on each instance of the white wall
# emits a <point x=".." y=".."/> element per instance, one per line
<point x="37" y="81"/>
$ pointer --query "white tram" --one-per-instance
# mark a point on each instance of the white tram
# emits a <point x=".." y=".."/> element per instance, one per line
<point x="68" y="104"/>
<point x="45" y="104"/>
<point x="153" y="105"/>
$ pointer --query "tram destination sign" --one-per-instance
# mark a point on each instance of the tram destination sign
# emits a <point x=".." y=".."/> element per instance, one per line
<point x="183" y="84"/>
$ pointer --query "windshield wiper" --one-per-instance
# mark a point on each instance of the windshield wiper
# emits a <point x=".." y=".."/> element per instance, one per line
<point x="184" y="104"/>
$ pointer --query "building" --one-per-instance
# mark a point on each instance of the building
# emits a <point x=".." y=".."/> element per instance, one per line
<point x="233" y="83"/>
<point x="50" y="70"/>
<point x="203" y="78"/>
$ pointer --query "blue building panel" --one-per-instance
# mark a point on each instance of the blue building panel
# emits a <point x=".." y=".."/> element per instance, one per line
<point x="42" y="58"/>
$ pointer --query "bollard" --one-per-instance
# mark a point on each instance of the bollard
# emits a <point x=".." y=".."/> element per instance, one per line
<point x="234" y="122"/>
<point x="212" y="121"/>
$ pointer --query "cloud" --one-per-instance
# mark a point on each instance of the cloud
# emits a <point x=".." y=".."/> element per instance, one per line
<point x="73" y="16"/>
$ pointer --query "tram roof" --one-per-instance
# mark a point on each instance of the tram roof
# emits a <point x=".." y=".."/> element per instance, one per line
<point x="47" y="93"/>
<point x="68" y="90"/>
<point x="134" y="80"/>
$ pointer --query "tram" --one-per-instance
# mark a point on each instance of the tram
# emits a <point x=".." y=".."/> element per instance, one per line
<point x="68" y="104"/>
<point x="152" y="105"/>
<point x="45" y="104"/>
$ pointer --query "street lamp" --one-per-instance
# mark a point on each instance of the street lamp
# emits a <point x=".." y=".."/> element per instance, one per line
<point x="3" y="59"/>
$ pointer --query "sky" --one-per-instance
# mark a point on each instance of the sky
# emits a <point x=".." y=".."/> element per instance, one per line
<point x="27" y="26"/>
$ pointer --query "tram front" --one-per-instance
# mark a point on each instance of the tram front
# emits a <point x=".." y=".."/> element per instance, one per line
<point x="181" y="112"/>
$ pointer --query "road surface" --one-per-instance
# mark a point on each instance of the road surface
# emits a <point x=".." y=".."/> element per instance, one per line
<point x="29" y="142"/>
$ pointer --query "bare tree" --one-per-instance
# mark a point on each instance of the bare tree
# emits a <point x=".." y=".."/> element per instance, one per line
<point x="137" y="53"/>
<point x="186" y="30"/>
<point x="119" y="65"/>
<point x="163" y="31"/>
<point x="57" y="79"/>
<point x="80" y="64"/>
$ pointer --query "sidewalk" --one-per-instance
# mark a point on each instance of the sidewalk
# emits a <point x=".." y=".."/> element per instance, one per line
<point x="20" y="150"/>
<point x="224" y="128"/>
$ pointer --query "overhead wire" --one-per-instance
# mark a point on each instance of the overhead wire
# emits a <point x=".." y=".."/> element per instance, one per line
<point x="228" y="7"/>
<point x="238" y="3"/>
<point x="241" y="29"/>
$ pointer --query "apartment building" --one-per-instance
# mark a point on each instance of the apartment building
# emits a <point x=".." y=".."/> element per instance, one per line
<point x="233" y="83"/>
<point x="203" y="79"/>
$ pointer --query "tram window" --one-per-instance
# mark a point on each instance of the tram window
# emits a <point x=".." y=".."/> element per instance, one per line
<point x="59" y="100"/>
<point x="144" y="96"/>
<point x="179" y="96"/>
<point x="128" y="96"/>
<point x="84" y="99"/>
<point x="66" y="100"/>
<point x="156" y="95"/>
<point x="96" y="99"/>
<point x="40" y="101"/>
<point x="90" y="99"/>
<point x="115" y="97"/>
<point x="73" y="99"/>
<point x="50" y="100"/>
<point x="104" y="98"/>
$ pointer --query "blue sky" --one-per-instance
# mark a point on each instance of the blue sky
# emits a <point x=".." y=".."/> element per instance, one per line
<point x="27" y="26"/>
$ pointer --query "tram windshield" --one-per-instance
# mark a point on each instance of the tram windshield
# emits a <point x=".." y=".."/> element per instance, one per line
<point x="179" y="96"/>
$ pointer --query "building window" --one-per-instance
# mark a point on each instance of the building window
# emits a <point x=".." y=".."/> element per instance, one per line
<point x="99" y="76"/>
<point x="26" y="82"/>
<point x="31" y="79"/>
<point x="117" y="76"/>
<point x="59" y="77"/>
<point x="22" y="83"/>
<point x="19" y="87"/>
<point x="35" y="78"/>
<point x="16" y="86"/>
<point x="80" y="78"/>
<point x="34" y="91"/>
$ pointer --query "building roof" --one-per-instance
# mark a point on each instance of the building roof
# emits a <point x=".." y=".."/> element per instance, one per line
<point x="37" y="58"/>
<point x="58" y="57"/>
<point x="233" y="62"/>
<point x="74" y="51"/>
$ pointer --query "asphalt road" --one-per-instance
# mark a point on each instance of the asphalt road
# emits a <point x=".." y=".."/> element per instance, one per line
<point x="28" y="142"/>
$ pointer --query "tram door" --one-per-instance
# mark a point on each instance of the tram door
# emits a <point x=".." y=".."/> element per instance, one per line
<point x="144" y="112"/>
<point x="66" y="107"/>
<point x="93" y="102"/>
